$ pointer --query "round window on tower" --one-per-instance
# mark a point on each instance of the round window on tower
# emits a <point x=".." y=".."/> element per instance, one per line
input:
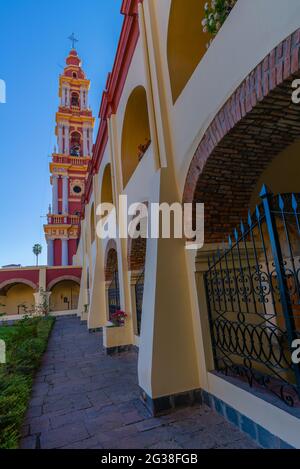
<point x="77" y="189"/>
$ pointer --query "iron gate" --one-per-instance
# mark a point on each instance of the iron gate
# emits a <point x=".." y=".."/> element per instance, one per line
<point x="114" y="296"/>
<point x="253" y="297"/>
<point x="139" y="293"/>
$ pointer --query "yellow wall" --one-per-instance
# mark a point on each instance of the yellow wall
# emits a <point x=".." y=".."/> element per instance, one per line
<point x="68" y="289"/>
<point x="186" y="42"/>
<point x="282" y="175"/>
<point x="17" y="295"/>
<point x="136" y="131"/>
<point x="106" y="191"/>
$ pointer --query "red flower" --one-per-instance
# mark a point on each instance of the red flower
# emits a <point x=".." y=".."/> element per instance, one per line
<point x="119" y="317"/>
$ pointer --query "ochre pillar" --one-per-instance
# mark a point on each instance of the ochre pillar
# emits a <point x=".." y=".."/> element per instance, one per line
<point x="167" y="359"/>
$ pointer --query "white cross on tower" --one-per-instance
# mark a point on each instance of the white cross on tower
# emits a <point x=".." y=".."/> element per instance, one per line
<point x="73" y="39"/>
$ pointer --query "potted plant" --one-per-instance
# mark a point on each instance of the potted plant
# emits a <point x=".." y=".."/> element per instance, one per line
<point x="118" y="318"/>
<point x="216" y="12"/>
<point x="143" y="148"/>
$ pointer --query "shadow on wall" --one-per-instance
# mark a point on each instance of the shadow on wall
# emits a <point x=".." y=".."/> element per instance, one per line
<point x="186" y="42"/>
<point x="282" y="175"/>
<point x="136" y="136"/>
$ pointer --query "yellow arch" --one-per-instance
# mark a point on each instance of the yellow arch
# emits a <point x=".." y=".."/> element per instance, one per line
<point x="136" y="135"/>
<point x="17" y="298"/>
<point x="186" y="42"/>
<point x="106" y="188"/>
<point x="64" y="295"/>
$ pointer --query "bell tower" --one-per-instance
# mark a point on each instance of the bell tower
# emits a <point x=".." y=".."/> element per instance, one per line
<point x="69" y="165"/>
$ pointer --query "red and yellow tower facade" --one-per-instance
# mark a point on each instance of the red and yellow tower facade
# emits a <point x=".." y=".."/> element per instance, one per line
<point x="69" y="165"/>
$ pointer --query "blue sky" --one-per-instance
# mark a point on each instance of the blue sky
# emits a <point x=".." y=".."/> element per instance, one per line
<point x="33" y="48"/>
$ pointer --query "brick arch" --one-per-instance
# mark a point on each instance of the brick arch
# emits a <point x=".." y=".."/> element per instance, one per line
<point x="111" y="259"/>
<point x="257" y="122"/>
<point x="136" y="251"/>
<point x="136" y="254"/>
<point x="13" y="281"/>
<point x="61" y="279"/>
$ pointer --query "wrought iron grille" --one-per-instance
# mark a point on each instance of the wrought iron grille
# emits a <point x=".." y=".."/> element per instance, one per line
<point x="139" y="293"/>
<point x="114" y="296"/>
<point x="253" y="297"/>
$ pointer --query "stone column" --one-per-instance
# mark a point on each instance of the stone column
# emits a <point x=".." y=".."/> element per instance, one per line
<point x="55" y="195"/>
<point x="67" y="139"/>
<point x="68" y="101"/>
<point x="65" y="203"/>
<point x="83" y="98"/>
<point x="64" y="252"/>
<point x="66" y="96"/>
<point x="90" y="140"/>
<point x="62" y="98"/>
<point x="85" y="140"/>
<point x="50" y="252"/>
<point x="41" y="302"/>
<point x="86" y="98"/>
<point x="60" y="139"/>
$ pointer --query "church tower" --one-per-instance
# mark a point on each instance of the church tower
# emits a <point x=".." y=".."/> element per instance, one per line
<point x="69" y="165"/>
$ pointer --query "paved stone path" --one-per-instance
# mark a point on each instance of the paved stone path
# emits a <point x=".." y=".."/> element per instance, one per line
<point x="83" y="399"/>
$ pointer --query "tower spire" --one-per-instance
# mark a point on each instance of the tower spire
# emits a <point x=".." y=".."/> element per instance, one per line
<point x="70" y="160"/>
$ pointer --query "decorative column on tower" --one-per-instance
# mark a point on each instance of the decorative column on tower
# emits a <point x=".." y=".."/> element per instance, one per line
<point x="60" y="138"/>
<point x="67" y="139"/>
<point x="65" y="195"/>
<point x="50" y="247"/>
<point x="69" y="166"/>
<point x="55" y="194"/>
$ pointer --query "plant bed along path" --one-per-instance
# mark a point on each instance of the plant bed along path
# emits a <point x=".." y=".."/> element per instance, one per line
<point x="26" y="341"/>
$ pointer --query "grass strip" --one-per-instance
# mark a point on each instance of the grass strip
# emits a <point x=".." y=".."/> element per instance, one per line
<point x="26" y="341"/>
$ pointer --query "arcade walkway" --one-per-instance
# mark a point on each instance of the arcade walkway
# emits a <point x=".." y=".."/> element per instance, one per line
<point x="84" y="399"/>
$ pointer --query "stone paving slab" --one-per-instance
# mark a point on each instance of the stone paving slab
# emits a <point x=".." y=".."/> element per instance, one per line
<point x="83" y="399"/>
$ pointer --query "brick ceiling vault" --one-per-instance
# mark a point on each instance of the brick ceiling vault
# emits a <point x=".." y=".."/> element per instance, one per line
<point x="257" y="123"/>
<point x="136" y="253"/>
